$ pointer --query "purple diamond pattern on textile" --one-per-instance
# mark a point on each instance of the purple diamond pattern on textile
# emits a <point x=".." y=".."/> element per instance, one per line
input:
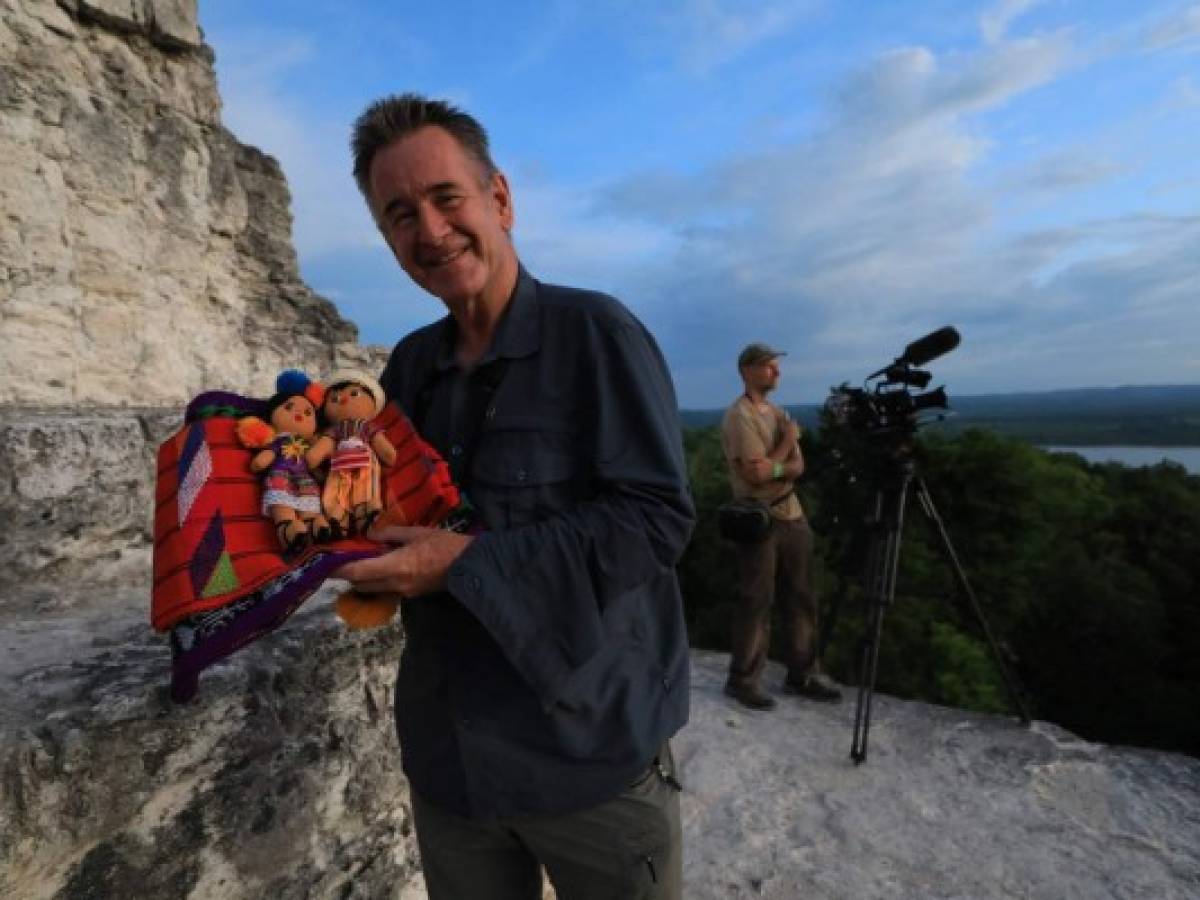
<point x="207" y="554"/>
<point x="195" y="465"/>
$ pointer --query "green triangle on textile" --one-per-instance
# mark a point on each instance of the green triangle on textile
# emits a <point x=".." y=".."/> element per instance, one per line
<point x="223" y="580"/>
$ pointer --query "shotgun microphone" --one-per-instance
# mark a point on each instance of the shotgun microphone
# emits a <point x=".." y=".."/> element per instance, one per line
<point x="918" y="353"/>
<point x="930" y="347"/>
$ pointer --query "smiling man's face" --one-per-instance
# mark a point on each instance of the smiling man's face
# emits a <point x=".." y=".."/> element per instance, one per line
<point x="446" y="220"/>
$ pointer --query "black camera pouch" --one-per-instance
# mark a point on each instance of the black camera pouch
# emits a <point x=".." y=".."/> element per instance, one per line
<point x="744" y="521"/>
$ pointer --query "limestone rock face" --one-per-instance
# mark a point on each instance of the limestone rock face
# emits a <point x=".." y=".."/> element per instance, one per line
<point x="145" y="254"/>
<point x="947" y="804"/>
<point x="281" y="779"/>
<point x="77" y="494"/>
<point x="169" y="23"/>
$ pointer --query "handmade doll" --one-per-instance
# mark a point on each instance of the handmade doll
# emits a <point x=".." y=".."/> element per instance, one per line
<point x="291" y="495"/>
<point x="219" y="581"/>
<point x="355" y="448"/>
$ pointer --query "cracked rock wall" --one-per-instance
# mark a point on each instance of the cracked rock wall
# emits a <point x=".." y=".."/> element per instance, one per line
<point x="280" y="780"/>
<point x="145" y="255"/>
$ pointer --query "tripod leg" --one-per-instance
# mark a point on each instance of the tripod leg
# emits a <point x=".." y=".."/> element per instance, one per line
<point x="868" y="647"/>
<point x="883" y="566"/>
<point x="1010" y="680"/>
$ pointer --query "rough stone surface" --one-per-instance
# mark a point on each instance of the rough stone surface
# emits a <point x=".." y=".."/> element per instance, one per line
<point x="77" y="493"/>
<point x="145" y="254"/>
<point x="281" y="779"/>
<point x="169" y="23"/>
<point x="948" y="804"/>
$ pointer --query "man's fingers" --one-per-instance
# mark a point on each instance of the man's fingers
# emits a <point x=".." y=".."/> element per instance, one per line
<point x="415" y="568"/>
<point x="397" y="534"/>
<point x="372" y="569"/>
<point x="378" y="586"/>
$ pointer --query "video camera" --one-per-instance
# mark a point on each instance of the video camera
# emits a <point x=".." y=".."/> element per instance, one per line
<point x="872" y="437"/>
<point x="889" y="408"/>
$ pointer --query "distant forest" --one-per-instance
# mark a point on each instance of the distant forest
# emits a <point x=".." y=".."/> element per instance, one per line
<point x="1165" y="416"/>
<point x="1088" y="573"/>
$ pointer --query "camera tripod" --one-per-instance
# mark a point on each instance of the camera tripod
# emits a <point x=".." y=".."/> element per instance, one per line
<point x="882" y="565"/>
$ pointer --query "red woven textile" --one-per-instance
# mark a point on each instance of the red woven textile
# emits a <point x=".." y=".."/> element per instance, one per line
<point x="212" y="545"/>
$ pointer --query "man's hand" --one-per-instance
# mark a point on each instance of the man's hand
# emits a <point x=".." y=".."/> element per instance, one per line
<point x="416" y="567"/>
<point x="758" y="468"/>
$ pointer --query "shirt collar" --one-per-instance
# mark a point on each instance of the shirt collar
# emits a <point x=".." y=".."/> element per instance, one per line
<point x="517" y="334"/>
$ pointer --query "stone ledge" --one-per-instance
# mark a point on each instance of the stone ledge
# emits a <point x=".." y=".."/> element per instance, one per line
<point x="281" y="778"/>
<point x="77" y="492"/>
<point x="170" y="24"/>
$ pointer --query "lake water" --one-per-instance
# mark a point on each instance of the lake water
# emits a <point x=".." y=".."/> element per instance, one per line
<point x="1188" y="457"/>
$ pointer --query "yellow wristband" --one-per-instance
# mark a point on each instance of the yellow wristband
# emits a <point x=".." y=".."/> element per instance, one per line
<point x="777" y="471"/>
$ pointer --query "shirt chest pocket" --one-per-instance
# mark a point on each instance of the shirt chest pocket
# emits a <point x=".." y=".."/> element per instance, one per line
<point x="521" y="477"/>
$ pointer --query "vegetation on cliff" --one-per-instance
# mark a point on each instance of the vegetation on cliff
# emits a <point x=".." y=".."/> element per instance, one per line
<point x="1145" y="416"/>
<point x="1087" y="573"/>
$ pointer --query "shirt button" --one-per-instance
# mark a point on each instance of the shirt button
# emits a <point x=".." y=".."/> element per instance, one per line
<point x="521" y="474"/>
<point x="456" y="450"/>
<point x="475" y="583"/>
<point x="491" y="412"/>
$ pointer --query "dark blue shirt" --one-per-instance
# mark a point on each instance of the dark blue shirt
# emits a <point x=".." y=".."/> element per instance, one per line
<point x="557" y="663"/>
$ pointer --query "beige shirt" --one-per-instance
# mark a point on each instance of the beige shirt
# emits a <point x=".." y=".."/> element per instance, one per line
<point x="746" y="433"/>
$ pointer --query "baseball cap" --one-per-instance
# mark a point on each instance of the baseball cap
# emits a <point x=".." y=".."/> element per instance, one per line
<point x="756" y="353"/>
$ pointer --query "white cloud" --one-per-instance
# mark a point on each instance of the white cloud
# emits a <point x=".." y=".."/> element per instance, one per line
<point x="261" y="59"/>
<point x="538" y="44"/>
<point x="873" y="230"/>
<point x="993" y="24"/>
<point x="261" y="109"/>
<point x="1180" y="31"/>
<point x="878" y="196"/>
<point x="876" y="225"/>
<point x="1062" y="171"/>
<point x="1182" y="95"/>
<point x="707" y="34"/>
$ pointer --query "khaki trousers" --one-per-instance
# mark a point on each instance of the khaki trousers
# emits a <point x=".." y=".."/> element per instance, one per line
<point x="774" y="571"/>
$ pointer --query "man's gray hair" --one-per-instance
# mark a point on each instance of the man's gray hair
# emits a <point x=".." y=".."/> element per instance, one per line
<point x="392" y="118"/>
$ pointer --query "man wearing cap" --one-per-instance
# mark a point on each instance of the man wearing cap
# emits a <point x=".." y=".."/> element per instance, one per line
<point x="762" y="449"/>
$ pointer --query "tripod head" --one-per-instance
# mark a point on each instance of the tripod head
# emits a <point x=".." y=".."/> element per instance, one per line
<point x="885" y="410"/>
<point x="868" y="439"/>
<point x="871" y="431"/>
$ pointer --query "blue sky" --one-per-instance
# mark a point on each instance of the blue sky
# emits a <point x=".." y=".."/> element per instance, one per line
<point x="834" y="178"/>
